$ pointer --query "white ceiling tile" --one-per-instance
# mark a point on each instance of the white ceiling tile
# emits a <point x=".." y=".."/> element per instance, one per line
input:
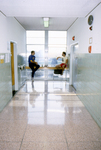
<point x="24" y="10"/>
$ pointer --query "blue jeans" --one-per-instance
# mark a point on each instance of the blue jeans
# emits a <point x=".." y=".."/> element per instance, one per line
<point x="34" y="68"/>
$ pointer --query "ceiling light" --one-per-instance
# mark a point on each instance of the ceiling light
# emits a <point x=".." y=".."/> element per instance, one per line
<point x="46" y="22"/>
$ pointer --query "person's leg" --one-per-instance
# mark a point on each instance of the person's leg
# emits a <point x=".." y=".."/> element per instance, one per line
<point x="58" y="66"/>
<point x="63" y="67"/>
<point x="33" y="71"/>
<point x="36" y="67"/>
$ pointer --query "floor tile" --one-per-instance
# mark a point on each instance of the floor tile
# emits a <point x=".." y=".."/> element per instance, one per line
<point x="77" y="113"/>
<point x="80" y="130"/>
<point x="47" y="115"/>
<point x="36" y="97"/>
<point x="35" y="87"/>
<point x="44" y="146"/>
<point x="10" y="145"/>
<point x="62" y="97"/>
<point x="44" y="133"/>
<point x="12" y="130"/>
<point x="21" y="97"/>
<point x="14" y="113"/>
<point x="84" y="145"/>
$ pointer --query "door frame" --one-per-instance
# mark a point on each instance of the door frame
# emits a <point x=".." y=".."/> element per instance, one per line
<point x="71" y="61"/>
<point x="15" y="87"/>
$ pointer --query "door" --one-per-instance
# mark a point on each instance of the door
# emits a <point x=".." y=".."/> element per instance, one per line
<point x="14" y="68"/>
<point x="12" y="65"/>
<point x="74" y="66"/>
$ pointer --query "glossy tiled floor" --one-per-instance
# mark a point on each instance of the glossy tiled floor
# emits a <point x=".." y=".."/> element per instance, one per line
<point x="47" y="115"/>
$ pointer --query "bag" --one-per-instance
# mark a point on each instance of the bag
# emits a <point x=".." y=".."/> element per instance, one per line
<point x="57" y="71"/>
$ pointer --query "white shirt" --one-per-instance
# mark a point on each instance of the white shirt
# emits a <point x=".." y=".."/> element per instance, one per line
<point x="64" y="59"/>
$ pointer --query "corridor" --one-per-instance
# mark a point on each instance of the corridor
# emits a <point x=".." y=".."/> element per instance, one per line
<point x="47" y="115"/>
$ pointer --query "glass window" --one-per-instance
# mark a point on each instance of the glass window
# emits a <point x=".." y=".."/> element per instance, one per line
<point x="57" y="34"/>
<point x="57" y="43"/>
<point x="39" y="50"/>
<point x="35" y="40"/>
<point x="56" y="51"/>
<point x="35" y="37"/>
<point x="35" y="34"/>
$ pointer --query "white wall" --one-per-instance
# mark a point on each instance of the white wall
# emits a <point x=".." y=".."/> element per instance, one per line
<point x="80" y="29"/>
<point x="11" y="30"/>
<point x="3" y="34"/>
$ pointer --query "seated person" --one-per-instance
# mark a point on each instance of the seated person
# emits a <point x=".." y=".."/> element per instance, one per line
<point x="63" y="65"/>
<point x="33" y="64"/>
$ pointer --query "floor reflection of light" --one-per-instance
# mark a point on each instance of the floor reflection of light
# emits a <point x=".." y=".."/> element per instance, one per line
<point x="54" y="97"/>
<point x="77" y="111"/>
<point x="53" y="110"/>
<point x="34" y="121"/>
<point x="63" y="94"/>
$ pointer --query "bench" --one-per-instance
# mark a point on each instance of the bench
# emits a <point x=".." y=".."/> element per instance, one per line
<point x="27" y="67"/>
<point x="56" y="70"/>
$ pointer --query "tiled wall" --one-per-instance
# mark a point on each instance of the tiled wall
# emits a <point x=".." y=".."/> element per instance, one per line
<point x="88" y="83"/>
<point x="5" y="80"/>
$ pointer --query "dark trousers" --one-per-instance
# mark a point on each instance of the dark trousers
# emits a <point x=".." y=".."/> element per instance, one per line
<point x="33" y="67"/>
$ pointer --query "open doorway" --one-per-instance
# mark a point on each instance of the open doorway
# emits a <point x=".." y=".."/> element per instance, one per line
<point x="14" y="71"/>
<point x="73" y="65"/>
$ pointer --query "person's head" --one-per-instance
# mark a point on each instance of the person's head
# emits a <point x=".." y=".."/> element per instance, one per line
<point x="64" y="54"/>
<point x="32" y="52"/>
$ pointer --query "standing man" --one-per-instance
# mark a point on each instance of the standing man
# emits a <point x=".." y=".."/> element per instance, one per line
<point x="33" y="64"/>
<point x="63" y="65"/>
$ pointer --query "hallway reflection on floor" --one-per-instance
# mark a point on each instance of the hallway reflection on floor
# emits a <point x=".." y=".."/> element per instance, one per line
<point x="48" y="115"/>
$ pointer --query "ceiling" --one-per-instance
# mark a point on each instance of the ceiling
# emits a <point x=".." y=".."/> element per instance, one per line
<point x="62" y="13"/>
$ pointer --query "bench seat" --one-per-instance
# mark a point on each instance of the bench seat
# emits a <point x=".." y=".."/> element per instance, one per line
<point x="27" y="67"/>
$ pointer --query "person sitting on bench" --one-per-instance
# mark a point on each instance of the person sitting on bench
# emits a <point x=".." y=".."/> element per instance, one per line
<point x="33" y="64"/>
<point x="63" y="65"/>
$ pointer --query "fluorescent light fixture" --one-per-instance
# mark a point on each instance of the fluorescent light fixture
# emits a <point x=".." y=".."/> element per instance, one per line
<point x="46" y="22"/>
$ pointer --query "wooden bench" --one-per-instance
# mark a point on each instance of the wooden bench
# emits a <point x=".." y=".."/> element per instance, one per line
<point x="56" y="70"/>
<point x="27" y="67"/>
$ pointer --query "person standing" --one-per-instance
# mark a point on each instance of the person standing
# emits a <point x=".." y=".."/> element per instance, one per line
<point x="33" y="64"/>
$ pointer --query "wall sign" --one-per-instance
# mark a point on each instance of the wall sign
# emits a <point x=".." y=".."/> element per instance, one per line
<point x="90" y="19"/>
<point x="89" y="49"/>
<point x="2" y="59"/>
<point x="73" y="38"/>
<point x="90" y="40"/>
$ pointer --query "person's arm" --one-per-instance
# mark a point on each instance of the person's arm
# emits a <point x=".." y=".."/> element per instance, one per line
<point x="59" y="57"/>
<point x="33" y="62"/>
<point x="30" y="58"/>
<point x="66" y="61"/>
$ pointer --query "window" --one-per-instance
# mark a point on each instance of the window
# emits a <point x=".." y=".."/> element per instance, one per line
<point x="36" y="41"/>
<point x="57" y="43"/>
<point x="46" y="53"/>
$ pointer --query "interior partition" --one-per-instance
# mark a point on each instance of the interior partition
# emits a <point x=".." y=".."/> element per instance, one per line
<point x="5" y="80"/>
<point x="88" y="83"/>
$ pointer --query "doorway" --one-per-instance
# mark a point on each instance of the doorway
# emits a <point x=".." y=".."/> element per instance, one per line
<point x="73" y="65"/>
